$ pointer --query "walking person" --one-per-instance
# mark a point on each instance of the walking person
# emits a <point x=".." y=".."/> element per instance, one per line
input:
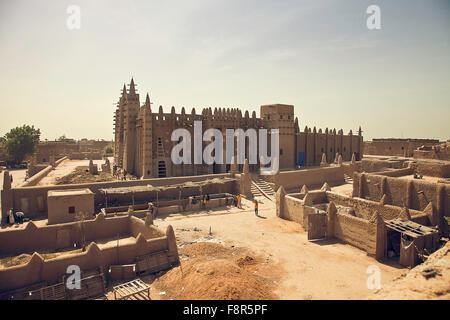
<point x="204" y="202"/>
<point x="255" y="202"/>
<point x="239" y="201"/>
<point x="152" y="211"/>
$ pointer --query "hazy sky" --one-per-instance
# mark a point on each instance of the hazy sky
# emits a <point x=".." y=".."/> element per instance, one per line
<point x="318" y="55"/>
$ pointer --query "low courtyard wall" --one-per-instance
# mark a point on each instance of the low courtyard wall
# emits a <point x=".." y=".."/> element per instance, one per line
<point x="148" y="239"/>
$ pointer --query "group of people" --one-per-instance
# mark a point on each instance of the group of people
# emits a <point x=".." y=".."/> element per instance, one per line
<point x="12" y="217"/>
<point x="237" y="203"/>
<point x="416" y="176"/>
<point x="120" y="174"/>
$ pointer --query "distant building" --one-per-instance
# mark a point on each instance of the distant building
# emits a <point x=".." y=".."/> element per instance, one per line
<point x="83" y="149"/>
<point x="396" y="147"/>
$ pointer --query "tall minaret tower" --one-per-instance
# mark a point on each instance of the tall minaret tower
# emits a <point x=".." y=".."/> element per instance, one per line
<point x="119" y="128"/>
<point x="147" y="140"/>
<point x="131" y="109"/>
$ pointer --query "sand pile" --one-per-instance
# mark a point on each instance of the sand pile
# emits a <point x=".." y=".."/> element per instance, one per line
<point x="206" y="249"/>
<point x="211" y="273"/>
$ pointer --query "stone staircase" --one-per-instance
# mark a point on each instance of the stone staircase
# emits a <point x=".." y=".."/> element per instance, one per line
<point x="260" y="188"/>
<point x="348" y="179"/>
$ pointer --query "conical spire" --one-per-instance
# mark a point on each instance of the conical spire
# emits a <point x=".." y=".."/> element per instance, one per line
<point x="304" y="189"/>
<point x="6" y="180"/>
<point x="325" y="187"/>
<point x="132" y="87"/>
<point x="147" y="100"/>
<point x="124" y="90"/>
<point x="246" y="167"/>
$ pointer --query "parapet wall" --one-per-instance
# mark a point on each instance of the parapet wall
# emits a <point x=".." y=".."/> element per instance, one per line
<point x="411" y="193"/>
<point x="438" y="169"/>
<point x="292" y="180"/>
<point x="396" y="172"/>
<point x="33" y="238"/>
<point x="365" y="209"/>
<point x="33" y="200"/>
<point x="38" y="176"/>
<point x="356" y="231"/>
<point x="38" y="269"/>
<point x="377" y="164"/>
<point x="365" y="230"/>
<point x="297" y="206"/>
<point x="34" y="180"/>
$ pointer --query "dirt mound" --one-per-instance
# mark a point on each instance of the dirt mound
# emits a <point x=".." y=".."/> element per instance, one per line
<point x="206" y="249"/>
<point x="218" y="279"/>
<point x="210" y="271"/>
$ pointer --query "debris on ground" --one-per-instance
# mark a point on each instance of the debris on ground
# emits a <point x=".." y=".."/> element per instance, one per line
<point x="205" y="239"/>
<point x="81" y="175"/>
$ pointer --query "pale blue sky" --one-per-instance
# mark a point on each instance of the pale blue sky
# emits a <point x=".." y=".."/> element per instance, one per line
<point x="317" y="55"/>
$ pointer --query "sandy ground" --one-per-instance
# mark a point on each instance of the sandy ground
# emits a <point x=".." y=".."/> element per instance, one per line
<point x="302" y="269"/>
<point x="66" y="167"/>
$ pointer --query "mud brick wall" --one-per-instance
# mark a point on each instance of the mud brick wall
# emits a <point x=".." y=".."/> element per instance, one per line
<point x="350" y="168"/>
<point x="365" y="208"/>
<point x="433" y="169"/>
<point x="395" y="172"/>
<point x="293" y="210"/>
<point x="33" y="238"/>
<point x="353" y="230"/>
<point x="33" y="200"/>
<point x="412" y="193"/>
<point x="375" y="165"/>
<point x="292" y="207"/>
<point x="356" y="231"/>
<point x="51" y="270"/>
<point x="292" y="180"/>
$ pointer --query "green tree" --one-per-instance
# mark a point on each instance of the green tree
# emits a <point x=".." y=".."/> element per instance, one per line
<point x="108" y="149"/>
<point x="20" y="142"/>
